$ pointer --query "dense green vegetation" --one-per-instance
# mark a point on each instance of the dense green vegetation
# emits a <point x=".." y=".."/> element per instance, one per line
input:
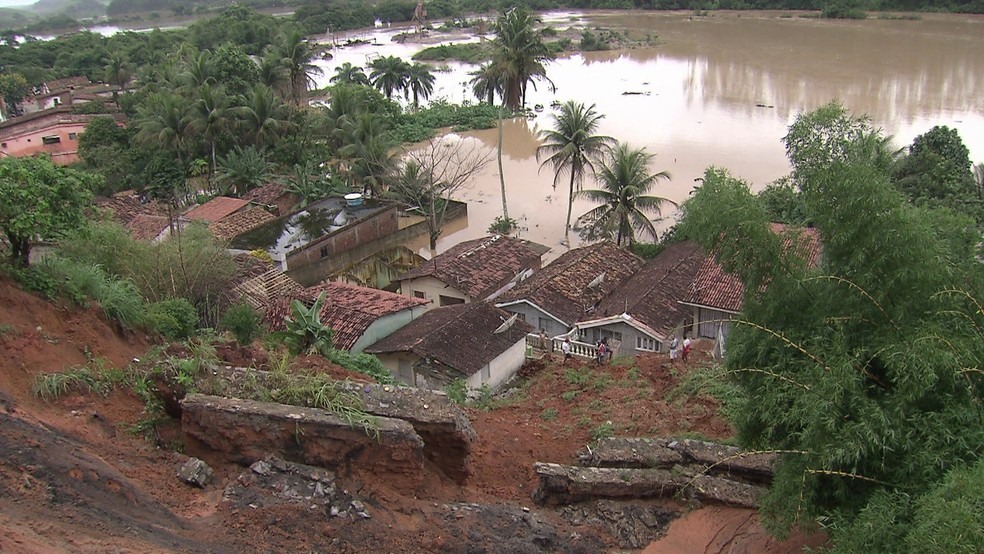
<point x="862" y="372"/>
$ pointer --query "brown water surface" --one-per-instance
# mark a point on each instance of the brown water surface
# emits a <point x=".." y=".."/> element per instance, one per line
<point x="719" y="91"/>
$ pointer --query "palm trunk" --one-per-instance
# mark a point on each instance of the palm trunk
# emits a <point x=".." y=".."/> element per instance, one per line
<point x="570" y="202"/>
<point x="502" y="177"/>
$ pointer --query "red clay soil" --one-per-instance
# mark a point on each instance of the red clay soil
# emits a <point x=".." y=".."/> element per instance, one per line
<point x="75" y="478"/>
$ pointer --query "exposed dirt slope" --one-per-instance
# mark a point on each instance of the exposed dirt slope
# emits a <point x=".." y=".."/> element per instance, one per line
<point x="75" y="478"/>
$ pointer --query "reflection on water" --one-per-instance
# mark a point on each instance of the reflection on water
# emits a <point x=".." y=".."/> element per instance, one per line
<point x="720" y="91"/>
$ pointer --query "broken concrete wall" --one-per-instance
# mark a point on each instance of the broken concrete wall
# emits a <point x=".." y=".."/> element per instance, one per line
<point x="559" y="484"/>
<point x="246" y="431"/>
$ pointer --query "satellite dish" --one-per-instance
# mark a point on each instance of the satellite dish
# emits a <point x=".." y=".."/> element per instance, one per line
<point x="506" y="325"/>
<point x="597" y="280"/>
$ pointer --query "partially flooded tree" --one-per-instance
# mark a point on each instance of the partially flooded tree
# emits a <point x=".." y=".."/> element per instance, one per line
<point x="429" y="176"/>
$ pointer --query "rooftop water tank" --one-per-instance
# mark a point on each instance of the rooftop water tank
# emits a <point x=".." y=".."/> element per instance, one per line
<point x="354" y="199"/>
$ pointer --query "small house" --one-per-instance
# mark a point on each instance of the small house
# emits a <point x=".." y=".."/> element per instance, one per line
<point x="571" y="287"/>
<point x="476" y="342"/>
<point x="473" y="271"/>
<point x="644" y="312"/>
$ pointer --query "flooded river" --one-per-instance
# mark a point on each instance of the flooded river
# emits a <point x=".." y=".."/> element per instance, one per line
<point x="718" y="91"/>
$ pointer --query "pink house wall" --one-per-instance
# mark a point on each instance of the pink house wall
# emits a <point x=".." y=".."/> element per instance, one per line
<point x="25" y="135"/>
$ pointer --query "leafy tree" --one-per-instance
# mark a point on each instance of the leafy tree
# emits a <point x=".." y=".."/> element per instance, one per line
<point x="367" y="151"/>
<point x="486" y="82"/>
<point x="13" y="87"/>
<point x="105" y="148"/>
<point x="625" y="205"/>
<point x="783" y="202"/>
<point x="305" y="332"/>
<point x="572" y="144"/>
<point x="39" y="200"/>
<point x="235" y="70"/>
<point x="351" y="74"/>
<point x="860" y="371"/>
<point x="938" y="171"/>
<point x="308" y="182"/>
<point x="163" y="122"/>
<point x="210" y="115"/>
<point x="390" y="74"/>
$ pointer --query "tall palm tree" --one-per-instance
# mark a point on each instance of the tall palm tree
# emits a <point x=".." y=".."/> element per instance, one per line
<point x="298" y="62"/>
<point x="263" y="116"/>
<point x="389" y="74"/>
<point x="625" y="206"/>
<point x="368" y="151"/>
<point x="162" y="122"/>
<point x="118" y="69"/>
<point x="572" y="145"/>
<point x="210" y="115"/>
<point x="198" y="71"/>
<point x="420" y="83"/>
<point x="273" y="74"/>
<point x="348" y="73"/>
<point x="486" y="83"/>
<point x="519" y="54"/>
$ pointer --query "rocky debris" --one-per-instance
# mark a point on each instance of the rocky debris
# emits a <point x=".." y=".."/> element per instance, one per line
<point x="444" y="428"/>
<point x="559" y="484"/>
<point x="195" y="472"/>
<point x="633" y="524"/>
<point x="715" y="459"/>
<point x="274" y="481"/>
<point x="245" y="431"/>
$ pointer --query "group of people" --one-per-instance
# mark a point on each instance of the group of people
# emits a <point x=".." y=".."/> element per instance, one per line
<point x="680" y="353"/>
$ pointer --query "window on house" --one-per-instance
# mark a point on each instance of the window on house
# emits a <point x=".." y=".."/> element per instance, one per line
<point x="648" y="344"/>
<point x="71" y="136"/>
<point x="451" y="301"/>
<point x="324" y="251"/>
<point x="486" y="373"/>
<point x="53" y="139"/>
<point x="543" y="323"/>
<point x="520" y="316"/>
<point x="419" y="294"/>
<point x="3" y="145"/>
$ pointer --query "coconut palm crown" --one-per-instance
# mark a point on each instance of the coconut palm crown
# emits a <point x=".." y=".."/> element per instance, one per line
<point x="625" y="206"/>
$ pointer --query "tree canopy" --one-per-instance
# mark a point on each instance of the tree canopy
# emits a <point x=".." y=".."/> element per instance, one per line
<point x="39" y="200"/>
<point x="863" y="371"/>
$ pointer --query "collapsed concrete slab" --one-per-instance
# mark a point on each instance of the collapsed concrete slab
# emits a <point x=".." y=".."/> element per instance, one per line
<point x="246" y="431"/>
<point x="444" y="428"/>
<point x="560" y="484"/>
<point x="715" y="459"/>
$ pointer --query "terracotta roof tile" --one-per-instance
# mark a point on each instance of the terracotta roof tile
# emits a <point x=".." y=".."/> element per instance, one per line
<point x="348" y="309"/>
<point x="562" y="287"/>
<point x="147" y="227"/>
<point x="461" y="337"/>
<point x="715" y="288"/>
<point x="482" y="266"/>
<point x="240" y="222"/>
<point x="265" y="194"/>
<point x="262" y="290"/>
<point x="125" y="208"/>
<point x="216" y="208"/>
<point x="652" y="295"/>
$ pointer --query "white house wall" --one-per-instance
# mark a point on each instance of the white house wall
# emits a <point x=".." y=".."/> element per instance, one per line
<point x="707" y="322"/>
<point x="386" y="326"/>
<point x="538" y="319"/>
<point x="501" y="369"/>
<point x="629" y="335"/>
<point x="433" y="289"/>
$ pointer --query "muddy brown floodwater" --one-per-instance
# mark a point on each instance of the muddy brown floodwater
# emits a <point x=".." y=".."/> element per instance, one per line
<point x="717" y="91"/>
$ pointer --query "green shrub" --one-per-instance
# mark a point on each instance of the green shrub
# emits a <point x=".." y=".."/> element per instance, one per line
<point x="243" y="322"/>
<point x="502" y="225"/>
<point x="549" y="414"/>
<point x="363" y="363"/>
<point x="175" y="319"/>
<point x="457" y="391"/>
<point x="603" y="431"/>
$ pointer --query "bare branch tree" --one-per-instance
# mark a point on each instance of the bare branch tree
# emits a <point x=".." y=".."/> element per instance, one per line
<point x="430" y="175"/>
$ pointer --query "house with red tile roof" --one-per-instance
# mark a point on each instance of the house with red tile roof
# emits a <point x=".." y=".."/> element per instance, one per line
<point x="571" y="287"/>
<point x="273" y="196"/>
<point x="644" y="312"/>
<point x="239" y="222"/>
<point x="715" y="296"/>
<point x="216" y="209"/>
<point x="473" y="271"/>
<point x="359" y="316"/>
<point x="476" y="342"/>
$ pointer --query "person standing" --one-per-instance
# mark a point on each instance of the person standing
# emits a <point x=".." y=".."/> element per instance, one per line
<point x="602" y="350"/>
<point x="674" y="349"/>
<point x="686" y="349"/>
<point x="566" y="348"/>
